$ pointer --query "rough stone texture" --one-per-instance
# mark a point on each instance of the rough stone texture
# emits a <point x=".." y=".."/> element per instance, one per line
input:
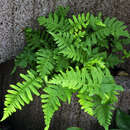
<point x="15" y="15"/>
<point x="124" y="99"/>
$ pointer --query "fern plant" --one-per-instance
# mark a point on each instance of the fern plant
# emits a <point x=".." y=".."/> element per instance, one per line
<point x="66" y="56"/>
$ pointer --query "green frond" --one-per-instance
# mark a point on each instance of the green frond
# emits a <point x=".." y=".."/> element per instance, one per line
<point x="93" y="106"/>
<point x="99" y="95"/>
<point x="62" y="62"/>
<point x="99" y="35"/>
<point x="91" y="74"/>
<point x="96" y="22"/>
<point x="27" y="57"/>
<point x="97" y="62"/>
<point x="87" y="103"/>
<point x="62" y="11"/>
<point x="63" y="40"/>
<point x="34" y="38"/>
<point x="113" y="60"/>
<point x="65" y="43"/>
<point x="54" y="23"/>
<point x="76" y="54"/>
<point x="78" y="23"/>
<point x="104" y="114"/>
<point x="51" y="101"/>
<point x="70" y="79"/>
<point x="45" y="62"/>
<point x="116" y="27"/>
<point x="21" y="93"/>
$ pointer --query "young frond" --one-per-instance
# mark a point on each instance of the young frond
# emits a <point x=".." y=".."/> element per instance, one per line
<point x="78" y="23"/>
<point x="51" y="101"/>
<point x="45" y="62"/>
<point x="21" y="93"/>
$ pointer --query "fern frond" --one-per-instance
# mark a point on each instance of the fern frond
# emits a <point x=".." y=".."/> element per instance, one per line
<point x="87" y="103"/>
<point x="51" y="101"/>
<point x="62" y="11"/>
<point x="71" y="79"/>
<point x="34" y="38"/>
<point x="21" y="93"/>
<point x="63" y="40"/>
<point x="54" y="23"/>
<point x="96" y="22"/>
<point x="45" y="62"/>
<point x="76" y="54"/>
<point x="65" y="43"/>
<point x="80" y="22"/>
<point x="113" y="60"/>
<point x="62" y="62"/>
<point x="99" y="35"/>
<point x="116" y="27"/>
<point x="104" y="114"/>
<point x="98" y="97"/>
<point x="27" y="57"/>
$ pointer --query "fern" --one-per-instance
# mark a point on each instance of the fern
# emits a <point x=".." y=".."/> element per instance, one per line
<point x="54" y="23"/>
<point x="117" y="28"/>
<point x="64" y="42"/>
<point x="21" y="93"/>
<point x="66" y="56"/>
<point x="45" y="62"/>
<point x="70" y="79"/>
<point x="51" y="101"/>
<point x="96" y="89"/>
<point x="61" y="62"/>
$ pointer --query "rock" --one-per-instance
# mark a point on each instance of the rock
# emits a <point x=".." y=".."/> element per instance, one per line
<point x="124" y="99"/>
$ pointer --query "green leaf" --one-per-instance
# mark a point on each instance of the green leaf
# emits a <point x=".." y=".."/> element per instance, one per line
<point x="74" y="128"/>
<point x="122" y="120"/>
